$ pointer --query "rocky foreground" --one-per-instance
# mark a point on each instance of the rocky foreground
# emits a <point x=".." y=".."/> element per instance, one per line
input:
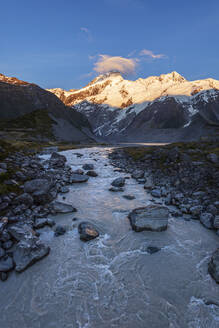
<point x="28" y="189"/>
<point x="184" y="177"/>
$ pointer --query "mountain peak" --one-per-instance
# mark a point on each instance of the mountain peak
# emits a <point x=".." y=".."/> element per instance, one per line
<point x="174" y="76"/>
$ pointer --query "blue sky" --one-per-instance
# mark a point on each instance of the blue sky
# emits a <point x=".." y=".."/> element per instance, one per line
<point x="67" y="43"/>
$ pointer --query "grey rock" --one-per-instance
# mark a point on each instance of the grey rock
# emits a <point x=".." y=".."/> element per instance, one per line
<point x="92" y="173"/>
<point x="119" y="182"/>
<point x="216" y="222"/>
<point x="20" y="232"/>
<point x="40" y="223"/>
<point x="64" y="190"/>
<point x="88" y="167"/>
<point x="129" y="197"/>
<point x="153" y="249"/>
<point x="41" y="190"/>
<point x="156" y="193"/>
<point x="213" y="266"/>
<point x="213" y="158"/>
<point x="57" y="160"/>
<point x="151" y="217"/>
<point x="212" y="209"/>
<point x="207" y="220"/>
<point x="116" y="189"/>
<point x="59" y="207"/>
<point x="24" y="198"/>
<point x="138" y="174"/>
<point x="87" y="231"/>
<point x="196" y="211"/>
<point x="60" y="230"/>
<point x="78" y="178"/>
<point x="6" y="264"/>
<point x="28" y="252"/>
<point x="2" y="252"/>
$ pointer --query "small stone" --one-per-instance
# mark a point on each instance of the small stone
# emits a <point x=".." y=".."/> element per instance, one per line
<point x="60" y="230"/>
<point x="87" y="231"/>
<point x="116" y="189"/>
<point x="6" y="264"/>
<point x="88" y="167"/>
<point x="3" y="276"/>
<point x="119" y="182"/>
<point x="207" y="220"/>
<point x="78" y="178"/>
<point x="156" y="193"/>
<point x="59" y="207"/>
<point x="129" y="197"/>
<point x="92" y="173"/>
<point x="153" y="249"/>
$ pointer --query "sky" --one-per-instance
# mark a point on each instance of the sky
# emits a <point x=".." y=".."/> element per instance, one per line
<point x="67" y="43"/>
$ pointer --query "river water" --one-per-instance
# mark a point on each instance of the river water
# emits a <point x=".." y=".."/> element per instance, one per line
<point x="112" y="281"/>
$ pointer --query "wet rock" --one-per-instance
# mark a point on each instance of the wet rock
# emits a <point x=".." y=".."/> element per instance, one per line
<point x="213" y="266"/>
<point x="138" y="174"/>
<point x="78" y="178"/>
<point x="116" y="189"/>
<point x="92" y="173"/>
<point x="152" y="218"/>
<point x="129" y="197"/>
<point x="196" y="211"/>
<point x="6" y="264"/>
<point x="59" y="207"/>
<point x="156" y="193"/>
<point x="3" y="224"/>
<point x="40" y="223"/>
<point x="7" y="244"/>
<point x="64" y="189"/>
<point x="149" y="183"/>
<point x="87" y="231"/>
<point x="119" y="182"/>
<point x="42" y="190"/>
<point x="20" y="232"/>
<point x="25" y="198"/>
<point x="207" y="220"/>
<point x="153" y="249"/>
<point x="3" y="276"/>
<point x="60" y="230"/>
<point x="212" y="209"/>
<point x="57" y="160"/>
<point x="78" y="171"/>
<point x="88" y="167"/>
<point x="216" y="222"/>
<point x="28" y="252"/>
<point x="213" y="158"/>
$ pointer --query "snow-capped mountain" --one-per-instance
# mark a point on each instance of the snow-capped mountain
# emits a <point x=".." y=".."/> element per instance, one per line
<point x="126" y="110"/>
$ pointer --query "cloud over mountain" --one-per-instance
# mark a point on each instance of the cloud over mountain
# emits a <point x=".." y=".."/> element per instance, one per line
<point x="106" y="63"/>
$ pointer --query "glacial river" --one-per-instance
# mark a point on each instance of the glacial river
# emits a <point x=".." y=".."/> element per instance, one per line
<point x="111" y="281"/>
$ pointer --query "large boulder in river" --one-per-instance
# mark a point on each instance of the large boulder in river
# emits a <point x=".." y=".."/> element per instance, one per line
<point x="119" y="182"/>
<point x="151" y="217"/>
<point x="87" y="231"/>
<point x="29" y="251"/>
<point x="42" y="190"/>
<point x="59" y="207"/>
<point x="213" y="266"/>
<point x="57" y="160"/>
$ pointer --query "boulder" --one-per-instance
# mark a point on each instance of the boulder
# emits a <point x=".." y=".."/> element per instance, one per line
<point x="207" y="220"/>
<point x="60" y="230"/>
<point x="20" y="232"/>
<point x="57" y="160"/>
<point x="156" y="193"/>
<point x="42" y="190"/>
<point x="59" y="207"/>
<point x="78" y="178"/>
<point x="151" y="218"/>
<point x="92" y="173"/>
<point x="216" y="222"/>
<point x="213" y="266"/>
<point x="87" y="231"/>
<point x="119" y="182"/>
<point x="138" y="174"/>
<point x="196" y="211"/>
<point x="88" y="167"/>
<point x="25" y="198"/>
<point x="42" y="222"/>
<point x="29" y="251"/>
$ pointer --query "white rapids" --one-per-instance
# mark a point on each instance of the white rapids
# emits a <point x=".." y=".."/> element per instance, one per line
<point x="111" y="281"/>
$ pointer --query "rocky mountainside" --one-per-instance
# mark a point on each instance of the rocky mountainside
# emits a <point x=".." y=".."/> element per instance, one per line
<point x="160" y="108"/>
<point x="26" y="106"/>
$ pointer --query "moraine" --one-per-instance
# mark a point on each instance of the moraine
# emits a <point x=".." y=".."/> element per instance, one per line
<point x="114" y="280"/>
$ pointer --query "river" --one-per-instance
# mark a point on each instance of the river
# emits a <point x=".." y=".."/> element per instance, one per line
<point x="112" y="281"/>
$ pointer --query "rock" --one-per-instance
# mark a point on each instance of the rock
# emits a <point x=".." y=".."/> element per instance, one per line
<point x="42" y="222"/>
<point x="196" y="211"/>
<point x="64" y="189"/>
<point x="41" y="190"/>
<point x="50" y="150"/>
<point x="138" y="174"/>
<point x="24" y="199"/>
<point x="153" y="249"/>
<point x="213" y="266"/>
<point x="212" y="209"/>
<point x="78" y="178"/>
<point x="207" y="220"/>
<point x="2" y="252"/>
<point x="57" y="160"/>
<point x="3" y="166"/>
<point x="213" y="158"/>
<point x="78" y="171"/>
<point x="88" y="167"/>
<point x="151" y="217"/>
<point x="156" y="193"/>
<point x="3" y="276"/>
<point x="216" y="222"/>
<point x="60" y="230"/>
<point x="148" y="184"/>
<point x="129" y="197"/>
<point x="92" y="173"/>
<point x="6" y="264"/>
<point x="28" y="252"/>
<point x="59" y="207"/>
<point x="20" y="232"/>
<point x="119" y="182"/>
<point x="116" y="189"/>
<point x="7" y="244"/>
<point x="3" y="224"/>
<point x="87" y="231"/>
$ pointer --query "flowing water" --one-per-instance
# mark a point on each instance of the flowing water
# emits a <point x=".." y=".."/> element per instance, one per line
<point x="112" y="281"/>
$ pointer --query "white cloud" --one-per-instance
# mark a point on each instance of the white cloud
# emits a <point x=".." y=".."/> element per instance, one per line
<point x="107" y="64"/>
<point x="150" y="53"/>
